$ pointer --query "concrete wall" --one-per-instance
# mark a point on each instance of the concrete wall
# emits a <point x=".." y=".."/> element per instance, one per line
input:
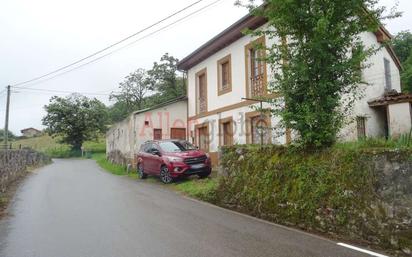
<point x="373" y="75"/>
<point x="14" y="163"/>
<point x="400" y="119"/>
<point x="123" y="140"/>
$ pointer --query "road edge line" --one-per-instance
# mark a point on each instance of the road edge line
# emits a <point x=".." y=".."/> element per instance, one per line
<point x="262" y="220"/>
<point x="361" y="250"/>
<point x="285" y="227"/>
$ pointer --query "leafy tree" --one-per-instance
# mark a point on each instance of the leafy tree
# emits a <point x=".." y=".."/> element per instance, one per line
<point x="118" y="111"/>
<point x="75" y="118"/>
<point x="161" y="82"/>
<point x="316" y="62"/>
<point x="10" y="134"/>
<point x="406" y="74"/>
<point x="402" y="45"/>
<point x="133" y="90"/>
<point x="164" y="79"/>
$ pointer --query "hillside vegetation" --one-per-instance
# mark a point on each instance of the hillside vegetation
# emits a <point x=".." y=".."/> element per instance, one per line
<point x="52" y="147"/>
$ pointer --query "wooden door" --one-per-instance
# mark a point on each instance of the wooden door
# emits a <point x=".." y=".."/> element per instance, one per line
<point x="227" y="133"/>
<point x="203" y="139"/>
<point x="178" y="133"/>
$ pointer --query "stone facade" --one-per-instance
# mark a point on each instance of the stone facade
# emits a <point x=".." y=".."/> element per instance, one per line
<point x="14" y="163"/>
<point x="353" y="194"/>
<point x="123" y="140"/>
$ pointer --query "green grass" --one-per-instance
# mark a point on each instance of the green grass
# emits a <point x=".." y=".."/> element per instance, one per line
<point x="41" y="143"/>
<point x="115" y="169"/>
<point x="203" y="189"/>
<point x="98" y="146"/>
<point x="404" y="142"/>
<point x="53" y="148"/>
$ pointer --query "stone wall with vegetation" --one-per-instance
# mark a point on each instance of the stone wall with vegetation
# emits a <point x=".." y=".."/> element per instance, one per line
<point x="14" y="163"/>
<point x="358" y="194"/>
<point x="116" y="157"/>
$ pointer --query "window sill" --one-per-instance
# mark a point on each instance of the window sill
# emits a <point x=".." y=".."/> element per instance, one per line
<point x="224" y="91"/>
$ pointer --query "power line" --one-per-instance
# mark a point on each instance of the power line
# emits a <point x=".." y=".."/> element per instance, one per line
<point x="112" y="45"/>
<point x="125" y="46"/>
<point x="40" y="90"/>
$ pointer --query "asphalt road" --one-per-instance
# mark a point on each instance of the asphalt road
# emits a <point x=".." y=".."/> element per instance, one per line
<point x="74" y="209"/>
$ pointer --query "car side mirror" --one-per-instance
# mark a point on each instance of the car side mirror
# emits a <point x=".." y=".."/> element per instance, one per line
<point x="156" y="152"/>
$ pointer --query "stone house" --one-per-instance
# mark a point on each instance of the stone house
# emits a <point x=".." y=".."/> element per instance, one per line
<point x="165" y="121"/>
<point x="30" y="132"/>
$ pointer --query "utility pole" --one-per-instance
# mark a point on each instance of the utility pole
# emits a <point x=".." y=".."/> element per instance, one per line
<point x="6" y="127"/>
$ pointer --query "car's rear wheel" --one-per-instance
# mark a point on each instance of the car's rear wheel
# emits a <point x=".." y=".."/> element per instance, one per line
<point x="165" y="176"/>
<point x="140" y="171"/>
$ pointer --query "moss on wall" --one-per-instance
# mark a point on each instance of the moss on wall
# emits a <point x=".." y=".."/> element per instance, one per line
<point x="359" y="194"/>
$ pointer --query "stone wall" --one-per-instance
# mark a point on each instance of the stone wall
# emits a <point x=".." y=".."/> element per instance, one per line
<point x="14" y="163"/>
<point x="356" y="194"/>
<point x="118" y="157"/>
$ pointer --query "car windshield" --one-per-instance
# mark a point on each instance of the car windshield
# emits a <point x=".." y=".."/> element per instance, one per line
<point x="176" y="146"/>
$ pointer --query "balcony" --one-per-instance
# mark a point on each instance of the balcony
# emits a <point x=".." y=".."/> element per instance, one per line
<point x="257" y="86"/>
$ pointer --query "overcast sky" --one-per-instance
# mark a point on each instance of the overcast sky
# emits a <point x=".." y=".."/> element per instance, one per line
<point x="43" y="35"/>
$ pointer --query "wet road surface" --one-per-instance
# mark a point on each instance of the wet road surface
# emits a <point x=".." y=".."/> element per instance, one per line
<point x="72" y="208"/>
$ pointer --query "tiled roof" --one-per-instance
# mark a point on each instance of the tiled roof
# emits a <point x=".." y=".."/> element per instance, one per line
<point x="391" y="98"/>
<point x="235" y="31"/>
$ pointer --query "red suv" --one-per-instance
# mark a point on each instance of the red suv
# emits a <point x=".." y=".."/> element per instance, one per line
<point x="171" y="159"/>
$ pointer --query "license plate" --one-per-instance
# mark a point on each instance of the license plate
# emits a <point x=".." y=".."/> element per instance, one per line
<point x="197" y="166"/>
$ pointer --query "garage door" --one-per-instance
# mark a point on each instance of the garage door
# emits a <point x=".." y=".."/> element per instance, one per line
<point x="178" y="133"/>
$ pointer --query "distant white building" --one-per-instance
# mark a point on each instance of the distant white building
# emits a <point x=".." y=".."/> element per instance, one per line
<point x="164" y="121"/>
<point x="30" y="132"/>
<point x="225" y="69"/>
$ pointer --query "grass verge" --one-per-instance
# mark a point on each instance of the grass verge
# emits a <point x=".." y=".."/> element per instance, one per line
<point x="115" y="169"/>
<point x="203" y="189"/>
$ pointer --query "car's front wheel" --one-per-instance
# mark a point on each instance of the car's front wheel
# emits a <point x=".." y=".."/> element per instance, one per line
<point x="165" y="176"/>
<point x="140" y="171"/>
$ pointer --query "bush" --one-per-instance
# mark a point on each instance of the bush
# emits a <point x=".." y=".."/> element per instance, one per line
<point x="62" y="152"/>
<point x="98" y="146"/>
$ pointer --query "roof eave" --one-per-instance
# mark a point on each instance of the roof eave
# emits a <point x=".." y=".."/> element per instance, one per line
<point x="223" y="39"/>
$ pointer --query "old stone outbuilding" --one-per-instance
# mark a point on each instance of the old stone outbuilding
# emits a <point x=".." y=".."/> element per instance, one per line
<point x="165" y="121"/>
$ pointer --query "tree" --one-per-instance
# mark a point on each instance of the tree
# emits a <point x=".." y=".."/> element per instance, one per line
<point x="317" y="61"/>
<point x="75" y="118"/>
<point x="406" y="74"/>
<point x="133" y="90"/>
<point x="402" y="45"/>
<point x="118" y="111"/>
<point x="10" y="134"/>
<point x="164" y="79"/>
